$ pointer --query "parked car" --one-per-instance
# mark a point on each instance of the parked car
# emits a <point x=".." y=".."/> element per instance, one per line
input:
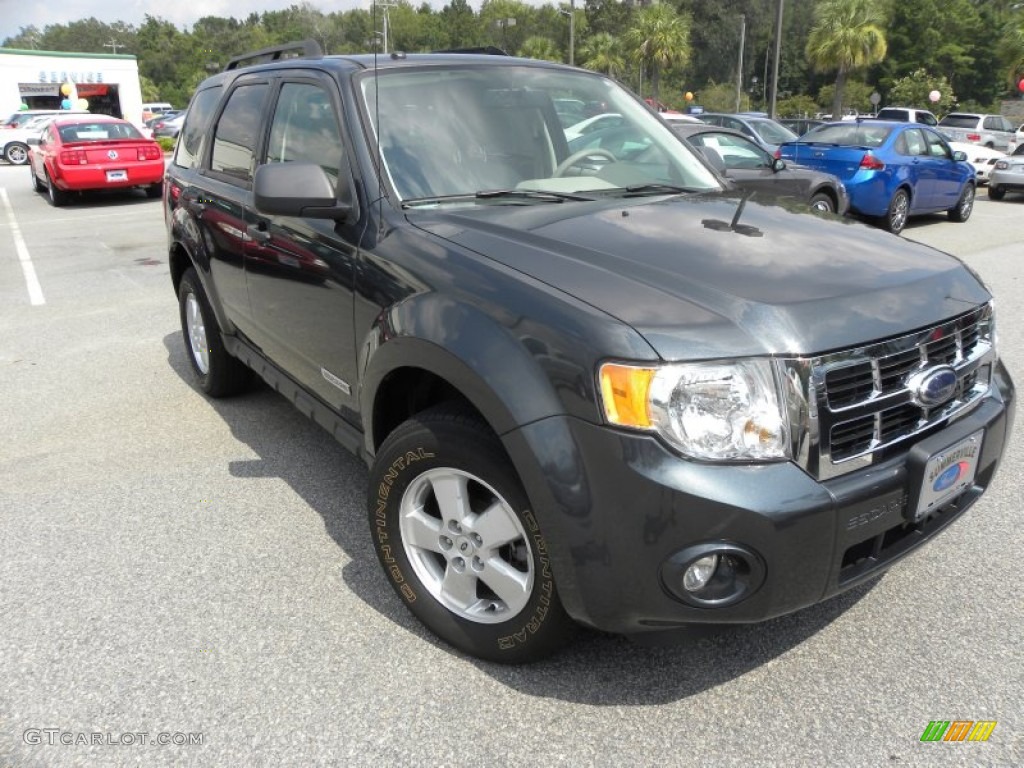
<point x="801" y="125"/>
<point x="589" y="387"/>
<point x="981" y="157"/>
<point x="1007" y="175"/>
<point x="992" y="131"/>
<point x="170" y="127"/>
<point x="155" y="109"/>
<point x="907" y="115"/>
<point x="592" y="124"/>
<point x="14" y="142"/>
<point x="768" y="133"/>
<point x="891" y="171"/>
<point x="743" y="161"/>
<point x="95" y="152"/>
<point x="152" y="122"/>
<point x="679" y="118"/>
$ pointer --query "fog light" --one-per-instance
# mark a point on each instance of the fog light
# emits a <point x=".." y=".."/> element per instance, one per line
<point x="699" y="573"/>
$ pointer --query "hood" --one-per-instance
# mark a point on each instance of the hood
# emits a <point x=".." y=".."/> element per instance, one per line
<point x="698" y="281"/>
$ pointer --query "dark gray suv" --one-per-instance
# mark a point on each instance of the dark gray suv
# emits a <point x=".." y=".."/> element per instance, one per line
<point x="592" y="387"/>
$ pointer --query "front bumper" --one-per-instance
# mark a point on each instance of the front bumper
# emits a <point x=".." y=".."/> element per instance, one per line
<point x="617" y="507"/>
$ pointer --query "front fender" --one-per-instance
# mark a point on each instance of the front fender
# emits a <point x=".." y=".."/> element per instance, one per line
<point x="459" y="343"/>
<point x="188" y="249"/>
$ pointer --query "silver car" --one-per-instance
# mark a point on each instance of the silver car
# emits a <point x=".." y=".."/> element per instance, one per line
<point x="992" y="131"/>
<point x="1008" y="175"/>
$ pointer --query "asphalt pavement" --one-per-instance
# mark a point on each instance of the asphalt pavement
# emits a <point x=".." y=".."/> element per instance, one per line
<point x="178" y="570"/>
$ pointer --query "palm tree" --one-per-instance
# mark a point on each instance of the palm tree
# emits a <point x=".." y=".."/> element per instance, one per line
<point x="538" y="47"/>
<point x="660" y="36"/>
<point x="847" y="35"/>
<point x="602" y="53"/>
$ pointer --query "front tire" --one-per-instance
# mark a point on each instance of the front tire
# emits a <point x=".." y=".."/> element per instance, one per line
<point x="822" y="203"/>
<point x="218" y="373"/>
<point x="962" y="210"/>
<point x="455" y="534"/>
<point x="37" y="185"/>
<point x="899" y="209"/>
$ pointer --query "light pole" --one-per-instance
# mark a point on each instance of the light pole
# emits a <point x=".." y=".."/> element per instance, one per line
<point x="571" y="13"/>
<point x="778" y="52"/>
<point x="739" y="68"/>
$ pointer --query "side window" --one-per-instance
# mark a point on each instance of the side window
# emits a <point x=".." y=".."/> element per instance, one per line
<point x="936" y="146"/>
<point x="993" y="124"/>
<point x="237" y="132"/>
<point x="194" y="128"/>
<point x="915" y="143"/>
<point x="305" y="129"/>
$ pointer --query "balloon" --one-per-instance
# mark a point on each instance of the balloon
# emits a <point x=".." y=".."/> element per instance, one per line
<point x="66" y="104"/>
<point x="689" y="96"/>
<point x="66" y="89"/>
<point x="1020" y="85"/>
<point x="82" y="104"/>
<point x="25" y="106"/>
<point x="934" y="96"/>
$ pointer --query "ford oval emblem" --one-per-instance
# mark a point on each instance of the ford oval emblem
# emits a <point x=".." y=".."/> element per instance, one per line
<point x="950" y="476"/>
<point x="933" y="386"/>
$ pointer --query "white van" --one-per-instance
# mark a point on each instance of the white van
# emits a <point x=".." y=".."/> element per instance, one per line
<point x="155" y="108"/>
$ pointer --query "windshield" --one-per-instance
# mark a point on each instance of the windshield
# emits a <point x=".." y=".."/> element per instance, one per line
<point x="959" y="121"/>
<point x="454" y="132"/>
<point x="97" y="131"/>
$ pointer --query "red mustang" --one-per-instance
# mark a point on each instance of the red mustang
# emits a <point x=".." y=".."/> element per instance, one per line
<point x="94" y="152"/>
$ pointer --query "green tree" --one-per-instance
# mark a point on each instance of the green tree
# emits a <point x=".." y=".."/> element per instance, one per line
<point x="603" y="53"/>
<point x="916" y="89"/>
<point x="1011" y="54"/>
<point x="660" y="38"/>
<point x="856" y="95"/>
<point x="542" y="48"/>
<point x="847" y="36"/>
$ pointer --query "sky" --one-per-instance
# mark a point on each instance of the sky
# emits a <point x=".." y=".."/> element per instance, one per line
<point x="15" y="14"/>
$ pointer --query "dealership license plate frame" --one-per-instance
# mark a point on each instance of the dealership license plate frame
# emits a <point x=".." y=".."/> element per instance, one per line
<point x="117" y="176"/>
<point x="930" y="499"/>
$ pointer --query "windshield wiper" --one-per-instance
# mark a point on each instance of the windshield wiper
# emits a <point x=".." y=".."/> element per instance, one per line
<point x="638" y="190"/>
<point x="529" y="194"/>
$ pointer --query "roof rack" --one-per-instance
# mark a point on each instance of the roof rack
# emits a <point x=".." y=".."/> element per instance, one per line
<point x="302" y="49"/>
<point x="488" y="49"/>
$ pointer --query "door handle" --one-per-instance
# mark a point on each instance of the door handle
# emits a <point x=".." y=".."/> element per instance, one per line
<point x="258" y="233"/>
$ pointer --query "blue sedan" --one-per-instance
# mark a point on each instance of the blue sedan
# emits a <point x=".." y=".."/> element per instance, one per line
<point x="891" y="171"/>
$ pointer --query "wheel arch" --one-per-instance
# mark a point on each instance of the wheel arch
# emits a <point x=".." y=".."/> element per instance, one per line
<point x="469" y="358"/>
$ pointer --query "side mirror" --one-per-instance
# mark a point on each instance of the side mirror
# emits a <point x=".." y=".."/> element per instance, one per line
<point x="778" y="164"/>
<point x="32" y="141"/>
<point x="959" y="156"/>
<point x="302" y="189"/>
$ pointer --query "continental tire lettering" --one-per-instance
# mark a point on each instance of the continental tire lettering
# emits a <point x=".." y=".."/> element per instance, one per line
<point x="547" y="587"/>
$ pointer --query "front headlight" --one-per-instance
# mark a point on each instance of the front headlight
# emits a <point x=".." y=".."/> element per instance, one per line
<point x="714" y="410"/>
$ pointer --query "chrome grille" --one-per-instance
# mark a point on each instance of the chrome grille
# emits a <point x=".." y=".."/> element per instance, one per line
<point x="859" y="400"/>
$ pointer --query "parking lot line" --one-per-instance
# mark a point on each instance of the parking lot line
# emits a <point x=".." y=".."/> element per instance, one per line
<point x="35" y="290"/>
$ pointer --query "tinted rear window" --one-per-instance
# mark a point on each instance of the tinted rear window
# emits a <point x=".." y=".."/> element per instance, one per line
<point x="959" y="121"/>
<point x="848" y="135"/>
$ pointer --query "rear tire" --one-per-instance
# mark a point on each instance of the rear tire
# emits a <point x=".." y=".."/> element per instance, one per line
<point x="58" y="197"/>
<point x="16" y="153"/>
<point x="962" y="210"/>
<point x="996" y="193"/>
<point x="217" y="372"/>
<point x="454" y="532"/>
<point x="899" y="209"/>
